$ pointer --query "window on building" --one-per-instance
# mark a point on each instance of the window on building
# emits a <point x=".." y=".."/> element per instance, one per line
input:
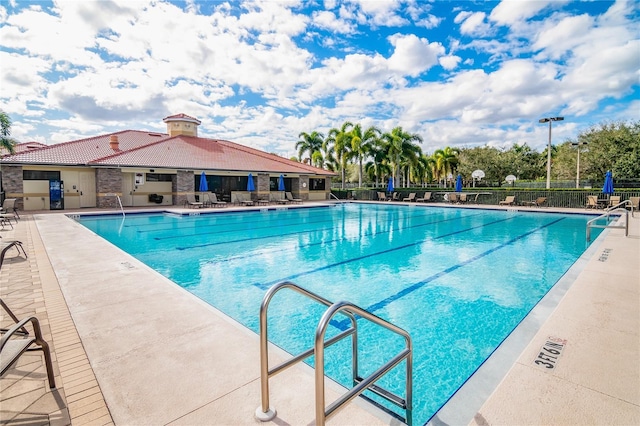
<point x="158" y="177"/>
<point x="317" y="184"/>
<point x="40" y="175"/>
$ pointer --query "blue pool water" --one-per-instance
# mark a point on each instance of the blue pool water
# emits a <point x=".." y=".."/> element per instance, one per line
<point x="458" y="280"/>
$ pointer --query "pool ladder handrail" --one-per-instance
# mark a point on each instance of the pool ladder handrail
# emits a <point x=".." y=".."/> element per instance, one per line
<point x="613" y="209"/>
<point x="265" y="413"/>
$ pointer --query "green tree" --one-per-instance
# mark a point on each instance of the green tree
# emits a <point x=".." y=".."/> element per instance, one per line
<point x="5" y="133"/>
<point x="611" y="146"/>
<point x="401" y="149"/>
<point x="379" y="166"/>
<point x="338" y="142"/>
<point x="445" y="163"/>
<point x="361" y="145"/>
<point x="309" y="143"/>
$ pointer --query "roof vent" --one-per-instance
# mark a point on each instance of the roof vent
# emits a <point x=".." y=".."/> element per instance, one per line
<point x="113" y="142"/>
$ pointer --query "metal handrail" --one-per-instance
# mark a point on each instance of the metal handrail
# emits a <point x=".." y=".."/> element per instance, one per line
<point x="606" y="214"/>
<point x="266" y="413"/>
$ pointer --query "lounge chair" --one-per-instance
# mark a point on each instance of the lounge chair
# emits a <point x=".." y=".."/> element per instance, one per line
<point x="411" y="197"/>
<point x="592" y="202"/>
<point x="6" y="245"/>
<point x="614" y="200"/>
<point x="536" y="203"/>
<point x="509" y="200"/>
<point x="239" y="199"/>
<point x="9" y="208"/>
<point x="17" y="341"/>
<point x="192" y="203"/>
<point x="213" y="200"/>
<point x="453" y="197"/>
<point x="462" y="198"/>
<point x="395" y="196"/>
<point x="426" y="197"/>
<point x="382" y="196"/>
<point x="290" y="198"/>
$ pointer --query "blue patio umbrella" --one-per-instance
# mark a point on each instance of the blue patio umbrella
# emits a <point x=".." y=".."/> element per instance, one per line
<point x="608" y="184"/>
<point x="390" y="185"/>
<point x="250" y="185"/>
<point x="204" y="186"/>
<point x="459" y="184"/>
<point x="281" y="183"/>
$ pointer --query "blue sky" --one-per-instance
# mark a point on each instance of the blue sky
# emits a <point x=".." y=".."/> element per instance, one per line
<point x="458" y="73"/>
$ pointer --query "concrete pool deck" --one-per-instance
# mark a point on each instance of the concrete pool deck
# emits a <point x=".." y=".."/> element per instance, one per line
<point x="132" y="348"/>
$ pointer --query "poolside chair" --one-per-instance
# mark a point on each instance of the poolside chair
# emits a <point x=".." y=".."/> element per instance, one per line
<point x="213" y="201"/>
<point x="537" y="202"/>
<point x="462" y="198"/>
<point x="9" y="208"/>
<point x="634" y="205"/>
<point x="16" y="341"/>
<point x="382" y="196"/>
<point x="614" y="200"/>
<point x="192" y="203"/>
<point x="592" y="202"/>
<point x="6" y="245"/>
<point x="411" y="197"/>
<point x="395" y="196"/>
<point x="426" y="197"/>
<point x="290" y="198"/>
<point x="453" y="197"/>
<point x="509" y="200"/>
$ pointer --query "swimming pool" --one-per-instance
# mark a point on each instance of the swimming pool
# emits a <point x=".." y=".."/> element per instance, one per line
<point x="458" y="280"/>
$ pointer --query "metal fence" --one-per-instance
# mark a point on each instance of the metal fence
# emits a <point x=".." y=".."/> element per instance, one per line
<point x="562" y="198"/>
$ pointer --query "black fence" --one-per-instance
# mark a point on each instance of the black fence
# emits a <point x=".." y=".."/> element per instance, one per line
<point x="555" y="198"/>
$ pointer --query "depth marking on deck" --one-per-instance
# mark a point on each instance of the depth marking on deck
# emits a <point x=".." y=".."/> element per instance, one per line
<point x="549" y="353"/>
<point x="605" y="255"/>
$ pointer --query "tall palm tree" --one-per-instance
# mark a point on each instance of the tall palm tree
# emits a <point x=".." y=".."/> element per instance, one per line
<point x="422" y="171"/>
<point x="446" y="162"/>
<point x="401" y="148"/>
<point x="379" y="164"/>
<point x="361" y="144"/>
<point x="310" y="143"/>
<point x="338" y="142"/>
<point x="5" y="132"/>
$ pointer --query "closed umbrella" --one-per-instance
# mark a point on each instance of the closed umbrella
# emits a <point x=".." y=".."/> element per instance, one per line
<point x="250" y="185"/>
<point x="281" y="183"/>
<point x="390" y="185"/>
<point x="204" y="186"/>
<point x="459" y="184"/>
<point x="608" y="184"/>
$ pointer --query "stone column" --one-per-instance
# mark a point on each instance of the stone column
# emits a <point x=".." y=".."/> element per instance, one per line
<point x="12" y="184"/>
<point x="108" y="185"/>
<point x="184" y="186"/>
<point x="263" y="188"/>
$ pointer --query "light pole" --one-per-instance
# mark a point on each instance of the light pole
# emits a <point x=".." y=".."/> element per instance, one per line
<point x="578" y="163"/>
<point x="550" y="120"/>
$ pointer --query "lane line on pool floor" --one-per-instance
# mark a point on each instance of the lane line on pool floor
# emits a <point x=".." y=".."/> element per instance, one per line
<point x="268" y="284"/>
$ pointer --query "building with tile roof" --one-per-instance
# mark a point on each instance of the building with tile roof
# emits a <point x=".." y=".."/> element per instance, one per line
<point x="148" y="168"/>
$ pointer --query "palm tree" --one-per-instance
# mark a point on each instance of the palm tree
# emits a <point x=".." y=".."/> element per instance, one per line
<point x="310" y="143"/>
<point x="446" y="162"/>
<point x="338" y="142"/>
<point x="361" y="144"/>
<point x="423" y="170"/>
<point x="401" y="149"/>
<point x="379" y="165"/>
<point x="5" y="132"/>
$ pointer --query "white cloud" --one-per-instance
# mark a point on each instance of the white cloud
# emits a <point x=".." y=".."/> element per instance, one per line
<point x="413" y="55"/>
<point x="510" y="12"/>
<point x="475" y="24"/>
<point x="449" y="62"/>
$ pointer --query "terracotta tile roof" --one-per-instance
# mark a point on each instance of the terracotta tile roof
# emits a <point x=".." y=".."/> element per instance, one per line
<point x="181" y="117"/>
<point x="190" y="152"/>
<point x="21" y="147"/>
<point x="84" y="151"/>
<point x="158" y="150"/>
